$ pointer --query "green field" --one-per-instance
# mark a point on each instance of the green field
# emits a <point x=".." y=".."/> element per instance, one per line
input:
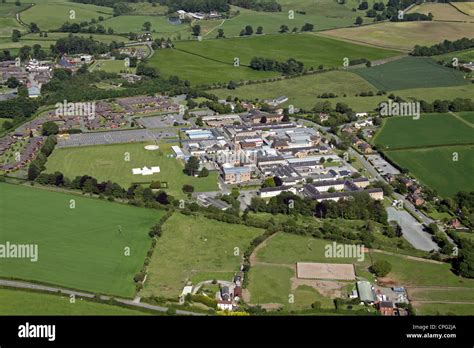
<point x="52" y="15"/>
<point x="444" y="309"/>
<point x="323" y="14"/>
<point x="411" y="272"/>
<point x="434" y="294"/>
<point x="107" y="162"/>
<point x="404" y="132"/>
<point x="302" y="91"/>
<point x="79" y="248"/>
<point x="435" y="167"/>
<point x="467" y="116"/>
<point x="212" y="61"/>
<point x="160" y="26"/>
<point x="7" y="18"/>
<point x="411" y="72"/>
<point x="112" y="66"/>
<point x="303" y="249"/>
<point x="18" y="302"/>
<point x="191" y="246"/>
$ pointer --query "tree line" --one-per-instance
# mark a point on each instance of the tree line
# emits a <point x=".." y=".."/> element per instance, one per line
<point x="290" y="67"/>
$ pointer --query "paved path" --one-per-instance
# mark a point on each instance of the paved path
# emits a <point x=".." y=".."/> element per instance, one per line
<point x="134" y="303"/>
<point x="412" y="230"/>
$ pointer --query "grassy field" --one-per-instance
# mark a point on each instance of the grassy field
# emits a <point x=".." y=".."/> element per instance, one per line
<point x="466" y="7"/>
<point x="433" y="294"/>
<point x="435" y="167"/>
<point x="303" y="249"/>
<point x="191" y="246"/>
<point x="212" y="60"/>
<point x="80" y="248"/>
<point x="272" y="284"/>
<point x="410" y="272"/>
<point x="106" y="162"/>
<point x="429" y="130"/>
<point x="463" y="56"/>
<point x="52" y="15"/>
<point x="442" y="12"/>
<point x="17" y="302"/>
<point x="7" y="18"/>
<point x="113" y="66"/>
<point x="411" y="72"/>
<point x="303" y="91"/>
<point x="467" y="116"/>
<point x="160" y="26"/>
<point x="403" y="35"/>
<point x="444" y="309"/>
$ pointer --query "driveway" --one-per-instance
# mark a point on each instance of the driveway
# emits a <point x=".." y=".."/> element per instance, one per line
<point x="412" y="229"/>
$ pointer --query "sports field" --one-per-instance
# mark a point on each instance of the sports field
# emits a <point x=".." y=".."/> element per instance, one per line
<point x="192" y="246"/>
<point x="411" y="72"/>
<point x="81" y="248"/>
<point x="107" y="162"/>
<point x="403" y="35"/>
<point x="51" y="15"/>
<point x="18" y="302"/>
<point x="429" y="130"/>
<point x="303" y="91"/>
<point x="213" y="60"/>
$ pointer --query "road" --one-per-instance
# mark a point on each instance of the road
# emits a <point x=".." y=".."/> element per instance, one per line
<point x="412" y="230"/>
<point x="134" y="303"/>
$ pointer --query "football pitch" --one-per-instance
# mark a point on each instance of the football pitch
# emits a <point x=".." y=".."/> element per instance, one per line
<point x="84" y="247"/>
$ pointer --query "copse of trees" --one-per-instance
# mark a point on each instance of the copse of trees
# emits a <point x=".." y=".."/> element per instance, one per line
<point x="37" y="165"/>
<point x="258" y="5"/>
<point x="290" y="67"/>
<point x="77" y="44"/>
<point x="444" y="47"/>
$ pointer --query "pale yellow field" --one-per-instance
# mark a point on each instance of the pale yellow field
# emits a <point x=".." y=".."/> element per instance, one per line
<point x="442" y="12"/>
<point x="466" y="7"/>
<point x="402" y="35"/>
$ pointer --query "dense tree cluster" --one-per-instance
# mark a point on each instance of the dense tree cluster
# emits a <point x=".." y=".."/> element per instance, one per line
<point x="444" y="47"/>
<point x="258" y="5"/>
<point x="290" y="67"/>
<point x="78" y="44"/>
<point x="38" y="164"/>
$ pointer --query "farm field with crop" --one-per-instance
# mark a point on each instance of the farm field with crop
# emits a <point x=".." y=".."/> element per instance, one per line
<point x="402" y="35"/>
<point x="82" y="247"/>
<point x="411" y="72"/>
<point x="106" y="162"/>
<point x="192" y="245"/>
<point x="205" y="61"/>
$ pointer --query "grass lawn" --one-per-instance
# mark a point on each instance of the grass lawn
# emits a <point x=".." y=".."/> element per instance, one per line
<point x="191" y="246"/>
<point x="49" y="15"/>
<point x="3" y="120"/>
<point x="79" y="248"/>
<point x="403" y="35"/>
<point x="409" y="272"/>
<point x="466" y="235"/>
<point x="444" y="309"/>
<point x="18" y="302"/>
<point x="303" y="91"/>
<point x="411" y="72"/>
<point x="467" y="116"/>
<point x="107" y="162"/>
<point x="310" y="49"/>
<point x="429" y="130"/>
